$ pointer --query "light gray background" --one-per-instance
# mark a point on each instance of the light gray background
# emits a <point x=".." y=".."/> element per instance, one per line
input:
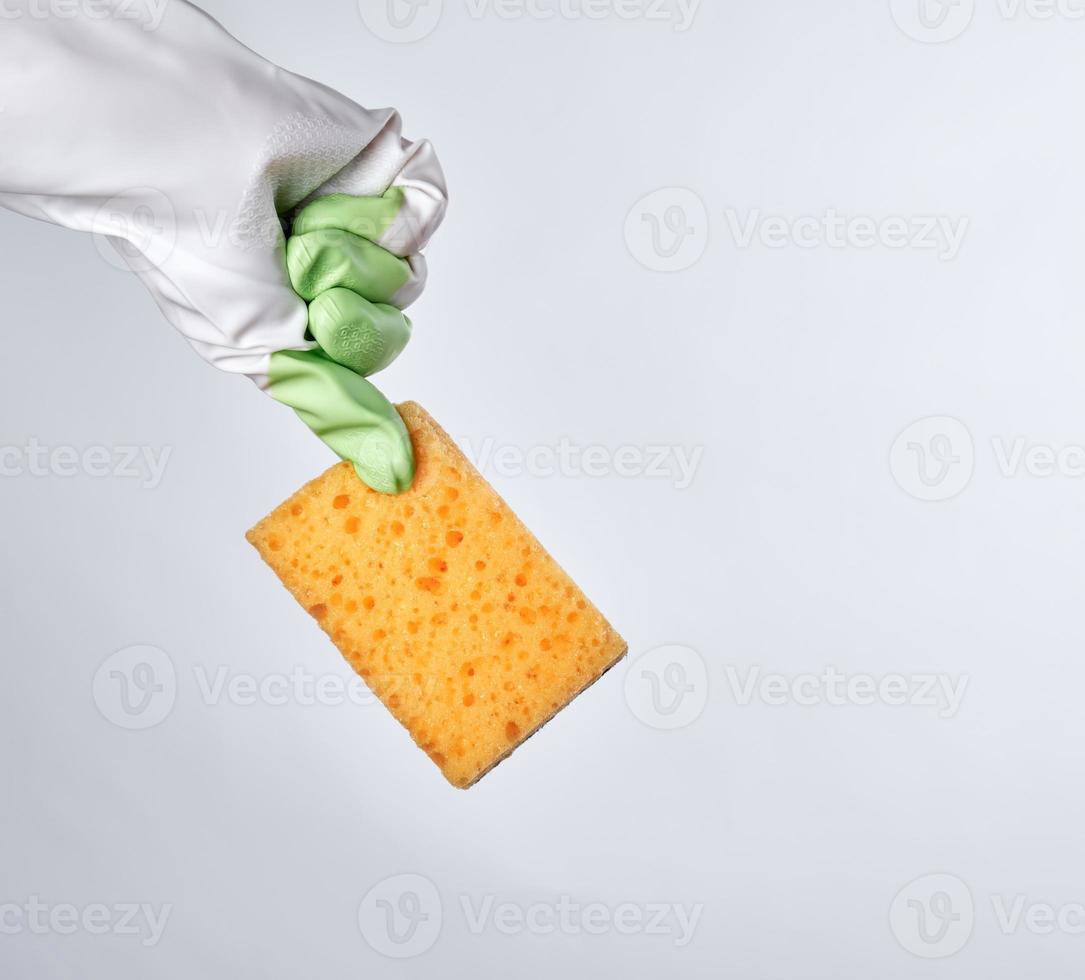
<point x="795" y="548"/>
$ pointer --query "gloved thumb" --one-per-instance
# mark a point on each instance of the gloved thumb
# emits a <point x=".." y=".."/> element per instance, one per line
<point x="348" y="413"/>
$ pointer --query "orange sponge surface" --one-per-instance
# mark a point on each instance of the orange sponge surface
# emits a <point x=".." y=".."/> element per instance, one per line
<point x="442" y="600"/>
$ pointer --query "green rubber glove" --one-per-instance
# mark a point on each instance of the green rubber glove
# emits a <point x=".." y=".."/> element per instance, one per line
<point x="355" y="291"/>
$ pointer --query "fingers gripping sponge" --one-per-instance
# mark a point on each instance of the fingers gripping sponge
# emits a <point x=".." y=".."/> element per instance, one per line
<point x="442" y="600"/>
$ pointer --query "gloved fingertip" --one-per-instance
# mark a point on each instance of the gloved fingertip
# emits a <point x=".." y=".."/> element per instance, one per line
<point x="299" y="263"/>
<point x="391" y="468"/>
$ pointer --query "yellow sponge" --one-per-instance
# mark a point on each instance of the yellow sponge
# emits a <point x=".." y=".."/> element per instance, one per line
<point x="440" y="598"/>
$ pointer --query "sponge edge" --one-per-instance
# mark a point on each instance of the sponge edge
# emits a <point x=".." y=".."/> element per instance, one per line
<point x="442" y="600"/>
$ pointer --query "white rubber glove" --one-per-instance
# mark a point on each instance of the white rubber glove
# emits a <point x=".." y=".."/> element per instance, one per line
<point x="146" y="121"/>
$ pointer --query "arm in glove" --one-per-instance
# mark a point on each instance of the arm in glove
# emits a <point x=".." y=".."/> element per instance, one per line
<point x="148" y="123"/>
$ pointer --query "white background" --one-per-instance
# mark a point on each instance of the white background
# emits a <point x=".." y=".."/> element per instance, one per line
<point x="797" y="547"/>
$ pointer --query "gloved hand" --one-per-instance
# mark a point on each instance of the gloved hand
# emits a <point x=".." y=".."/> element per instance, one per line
<point x="356" y="290"/>
<point x="197" y="153"/>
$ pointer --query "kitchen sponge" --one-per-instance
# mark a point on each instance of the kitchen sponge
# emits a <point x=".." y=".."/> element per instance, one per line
<point x="442" y="600"/>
